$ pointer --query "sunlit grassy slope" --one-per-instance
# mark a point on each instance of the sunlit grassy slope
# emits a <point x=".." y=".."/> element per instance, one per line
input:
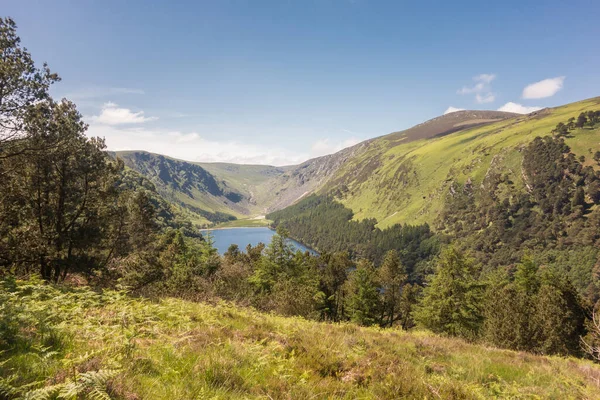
<point x="245" y="223"/>
<point x="399" y="182"/>
<point x="175" y="349"/>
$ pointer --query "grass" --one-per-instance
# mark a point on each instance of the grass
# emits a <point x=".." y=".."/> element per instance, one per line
<point x="244" y="223"/>
<point x="174" y="349"/>
<point x="409" y="181"/>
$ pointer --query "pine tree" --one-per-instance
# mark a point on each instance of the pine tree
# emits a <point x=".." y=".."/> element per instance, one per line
<point x="452" y="299"/>
<point x="392" y="277"/>
<point x="558" y="317"/>
<point x="362" y="303"/>
<point x="507" y="313"/>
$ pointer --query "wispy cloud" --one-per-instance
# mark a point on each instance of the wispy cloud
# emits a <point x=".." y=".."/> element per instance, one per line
<point x="192" y="146"/>
<point x="518" y="108"/>
<point x="482" y="88"/>
<point x="485" y="78"/>
<point x="452" y="109"/>
<point x="485" y="98"/>
<point x="544" y="88"/>
<point x="112" y="114"/>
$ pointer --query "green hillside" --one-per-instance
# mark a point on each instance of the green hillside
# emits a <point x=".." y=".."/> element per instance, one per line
<point x="397" y="182"/>
<point x="74" y="340"/>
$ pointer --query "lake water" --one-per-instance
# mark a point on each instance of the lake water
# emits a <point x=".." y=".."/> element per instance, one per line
<point x="223" y="238"/>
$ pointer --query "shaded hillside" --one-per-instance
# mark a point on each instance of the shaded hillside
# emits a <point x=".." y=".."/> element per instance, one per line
<point x="188" y="185"/>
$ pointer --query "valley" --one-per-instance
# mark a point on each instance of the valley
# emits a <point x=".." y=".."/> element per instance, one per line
<point x="456" y="259"/>
<point x="402" y="177"/>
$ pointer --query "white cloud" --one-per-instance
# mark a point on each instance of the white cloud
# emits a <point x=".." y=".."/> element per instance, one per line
<point x="486" y="98"/>
<point x="482" y="88"/>
<point x="452" y="109"/>
<point x="485" y="78"/>
<point x="112" y="114"/>
<point x="518" y="108"/>
<point x="325" y="146"/>
<point x="473" y="89"/>
<point x="544" y="88"/>
<point x="192" y="146"/>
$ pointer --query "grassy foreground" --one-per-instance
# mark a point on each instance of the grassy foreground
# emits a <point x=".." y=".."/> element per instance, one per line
<point x="57" y="340"/>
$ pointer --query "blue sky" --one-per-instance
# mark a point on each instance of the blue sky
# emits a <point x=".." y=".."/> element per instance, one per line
<point x="281" y="81"/>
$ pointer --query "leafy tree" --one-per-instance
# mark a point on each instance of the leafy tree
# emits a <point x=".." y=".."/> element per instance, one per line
<point x="333" y="275"/>
<point x="408" y="301"/>
<point x="579" y="198"/>
<point x="507" y="313"/>
<point x="526" y="276"/>
<point x="452" y="298"/>
<point x="276" y="263"/>
<point x="561" y="129"/>
<point x="392" y="278"/>
<point x="22" y="84"/>
<point x="581" y="120"/>
<point x="362" y="302"/>
<point x="558" y="317"/>
<point x="142" y="220"/>
<point x="62" y="199"/>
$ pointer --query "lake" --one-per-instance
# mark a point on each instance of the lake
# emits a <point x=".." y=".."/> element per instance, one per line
<point x="223" y="238"/>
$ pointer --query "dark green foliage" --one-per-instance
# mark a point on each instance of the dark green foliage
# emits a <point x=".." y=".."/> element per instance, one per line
<point x="581" y="120"/>
<point x="22" y="85"/>
<point x="170" y="265"/>
<point x="452" y="298"/>
<point x="327" y="226"/>
<point x="558" y="318"/>
<point x="536" y="311"/>
<point x="334" y="269"/>
<point x="61" y="201"/>
<point x="363" y="303"/>
<point x="392" y="278"/>
<point x="552" y="216"/>
<point x="561" y="129"/>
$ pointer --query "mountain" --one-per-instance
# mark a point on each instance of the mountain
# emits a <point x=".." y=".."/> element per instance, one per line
<point x="323" y="172"/>
<point x="404" y="177"/>
<point x="220" y="191"/>
<point x="214" y="192"/>
<point x="401" y="177"/>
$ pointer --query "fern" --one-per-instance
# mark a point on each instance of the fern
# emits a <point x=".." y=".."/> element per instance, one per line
<point x="7" y="390"/>
<point x="45" y="393"/>
<point x="88" y="385"/>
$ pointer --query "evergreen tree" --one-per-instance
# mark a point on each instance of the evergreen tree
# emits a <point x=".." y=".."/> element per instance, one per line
<point x="362" y="302"/>
<point x="452" y="299"/>
<point x="392" y="277"/>
<point x="507" y="312"/>
<point x="332" y="278"/>
<point x="581" y="120"/>
<point x="558" y="317"/>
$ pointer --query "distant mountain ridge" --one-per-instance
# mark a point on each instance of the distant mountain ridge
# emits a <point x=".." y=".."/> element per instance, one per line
<point x="387" y="177"/>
